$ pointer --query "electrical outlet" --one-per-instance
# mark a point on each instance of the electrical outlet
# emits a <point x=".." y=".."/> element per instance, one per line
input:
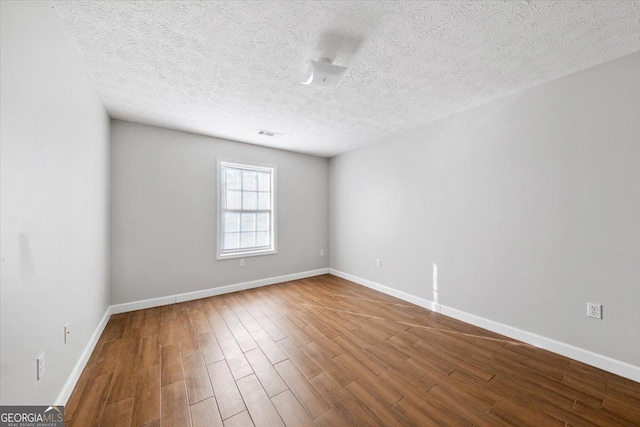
<point x="321" y="252"/>
<point x="594" y="310"/>
<point x="242" y="262"/>
<point x="378" y="263"/>
<point x="40" y="367"/>
<point x="67" y="331"/>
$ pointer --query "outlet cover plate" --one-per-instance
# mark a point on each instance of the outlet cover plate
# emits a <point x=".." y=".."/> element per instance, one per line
<point x="40" y="367"/>
<point x="67" y="331"/>
<point x="594" y="310"/>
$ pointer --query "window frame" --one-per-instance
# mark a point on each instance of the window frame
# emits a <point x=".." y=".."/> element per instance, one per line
<point x="273" y="249"/>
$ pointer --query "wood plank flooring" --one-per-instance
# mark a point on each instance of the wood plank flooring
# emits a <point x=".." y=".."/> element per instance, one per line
<point x="327" y="352"/>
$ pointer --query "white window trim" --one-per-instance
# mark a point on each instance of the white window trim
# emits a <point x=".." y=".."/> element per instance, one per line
<point x="274" y="208"/>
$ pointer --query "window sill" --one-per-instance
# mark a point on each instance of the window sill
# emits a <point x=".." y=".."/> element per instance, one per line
<point x="246" y="254"/>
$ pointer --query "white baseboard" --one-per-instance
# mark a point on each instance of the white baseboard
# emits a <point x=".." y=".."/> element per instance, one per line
<point x="65" y="393"/>
<point x="142" y="304"/>
<point x="603" y="362"/>
<point x="606" y="363"/>
<point x="422" y="302"/>
<point x="249" y="285"/>
<point x="69" y="385"/>
<point x="205" y="293"/>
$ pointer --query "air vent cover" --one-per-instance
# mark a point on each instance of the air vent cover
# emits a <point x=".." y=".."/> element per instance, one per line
<point x="269" y="133"/>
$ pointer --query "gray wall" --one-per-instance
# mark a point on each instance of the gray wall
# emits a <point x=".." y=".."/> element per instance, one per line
<point x="529" y="205"/>
<point x="164" y="213"/>
<point x="54" y="204"/>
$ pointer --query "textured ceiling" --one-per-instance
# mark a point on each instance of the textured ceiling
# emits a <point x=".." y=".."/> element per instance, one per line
<point x="228" y="69"/>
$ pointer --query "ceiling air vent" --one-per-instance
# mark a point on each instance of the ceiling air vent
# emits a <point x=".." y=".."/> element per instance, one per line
<point x="269" y="133"/>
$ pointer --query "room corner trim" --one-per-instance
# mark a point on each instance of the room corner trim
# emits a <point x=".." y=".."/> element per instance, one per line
<point x="69" y="385"/>
<point x="606" y="363"/>
<point x="205" y="293"/>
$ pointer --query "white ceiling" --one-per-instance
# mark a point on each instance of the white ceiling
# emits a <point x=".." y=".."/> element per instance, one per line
<point x="228" y="69"/>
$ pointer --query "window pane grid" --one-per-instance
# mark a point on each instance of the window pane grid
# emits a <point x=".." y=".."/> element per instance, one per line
<point x="246" y="210"/>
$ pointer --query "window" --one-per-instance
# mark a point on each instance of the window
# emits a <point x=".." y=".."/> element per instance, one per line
<point x="246" y="217"/>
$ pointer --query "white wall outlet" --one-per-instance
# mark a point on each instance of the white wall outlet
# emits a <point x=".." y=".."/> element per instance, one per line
<point x="242" y="262"/>
<point x="321" y="252"/>
<point x="67" y="332"/>
<point x="378" y="263"/>
<point x="594" y="310"/>
<point x="40" y="367"/>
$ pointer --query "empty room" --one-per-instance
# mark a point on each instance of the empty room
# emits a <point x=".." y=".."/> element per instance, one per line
<point x="320" y="213"/>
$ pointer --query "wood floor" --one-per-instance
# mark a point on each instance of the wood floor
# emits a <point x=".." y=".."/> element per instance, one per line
<point x="328" y="352"/>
